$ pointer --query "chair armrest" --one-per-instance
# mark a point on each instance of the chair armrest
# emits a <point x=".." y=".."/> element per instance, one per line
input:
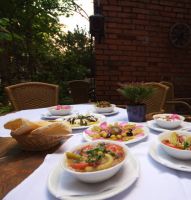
<point x="185" y="104"/>
<point x="186" y="99"/>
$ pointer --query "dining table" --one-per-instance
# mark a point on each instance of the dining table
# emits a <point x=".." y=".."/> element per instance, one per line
<point x="25" y="175"/>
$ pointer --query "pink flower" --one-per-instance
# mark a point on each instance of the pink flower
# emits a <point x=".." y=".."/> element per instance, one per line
<point x="89" y="132"/>
<point x="103" y="125"/>
<point x="60" y="107"/>
<point x="175" y="116"/>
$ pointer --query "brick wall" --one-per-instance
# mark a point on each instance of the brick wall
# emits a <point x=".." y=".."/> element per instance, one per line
<point x="136" y="46"/>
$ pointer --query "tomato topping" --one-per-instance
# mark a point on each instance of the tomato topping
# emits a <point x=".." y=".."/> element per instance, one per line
<point x="166" y="142"/>
<point x="87" y="148"/>
<point x="79" y="166"/>
<point x="115" y="148"/>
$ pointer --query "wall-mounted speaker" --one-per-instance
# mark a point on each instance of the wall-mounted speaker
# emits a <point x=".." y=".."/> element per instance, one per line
<point x="97" y="26"/>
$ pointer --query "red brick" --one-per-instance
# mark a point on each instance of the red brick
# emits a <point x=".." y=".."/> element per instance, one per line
<point x="137" y="47"/>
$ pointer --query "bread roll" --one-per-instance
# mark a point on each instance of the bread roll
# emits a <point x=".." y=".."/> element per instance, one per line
<point x="54" y="129"/>
<point x="21" y="126"/>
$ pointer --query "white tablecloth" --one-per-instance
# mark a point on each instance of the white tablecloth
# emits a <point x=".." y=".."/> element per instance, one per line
<point x="156" y="182"/>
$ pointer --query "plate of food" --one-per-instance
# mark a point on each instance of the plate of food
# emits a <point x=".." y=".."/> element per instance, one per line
<point x="48" y="116"/>
<point x="168" y="121"/>
<point x="104" y="107"/>
<point x="82" y="121"/>
<point x="159" y="155"/>
<point x="154" y="126"/>
<point x="126" y="132"/>
<point x="100" y="184"/>
<point x="57" y="111"/>
<point x="176" y="143"/>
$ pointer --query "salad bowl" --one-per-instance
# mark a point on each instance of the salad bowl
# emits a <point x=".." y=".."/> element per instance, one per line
<point x="176" y="144"/>
<point x="95" y="161"/>
<point x="60" y="110"/>
<point x="168" y="121"/>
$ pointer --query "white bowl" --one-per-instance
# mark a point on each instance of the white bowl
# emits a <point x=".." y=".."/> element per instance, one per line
<point x="96" y="176"/>
<point x="105" y="109"/>
<point x="174" y="152"/>
<point x="60" y="110"/>
<point x="173" y="122"/>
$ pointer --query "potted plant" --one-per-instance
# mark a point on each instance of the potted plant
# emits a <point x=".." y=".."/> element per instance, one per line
<point x="135" y="93"/>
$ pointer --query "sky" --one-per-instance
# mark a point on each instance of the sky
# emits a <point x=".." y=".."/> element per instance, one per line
<point x="77" y="19"/>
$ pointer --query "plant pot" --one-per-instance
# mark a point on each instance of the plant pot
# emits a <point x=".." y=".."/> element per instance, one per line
<point x="136" y="113"/>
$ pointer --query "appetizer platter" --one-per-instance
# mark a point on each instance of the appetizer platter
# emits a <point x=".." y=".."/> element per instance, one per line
<point x="121" y="170"/>
<point x="176" y="144"/>
<point x="178" y="141"/>
<point x="81" y="121"/>
<point x="126" y="132"/>
<point x="168" y="121"/>
<point x="57" y="111"/>
<point x="105" y="108"/>
<point x="158" y="154"/>
<point x="95" y="157"/>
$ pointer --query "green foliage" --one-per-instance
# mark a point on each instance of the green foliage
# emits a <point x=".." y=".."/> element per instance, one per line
<point x="5" y="109"/>
<point x="135" y="93"/>
<point x="33" y="46"/>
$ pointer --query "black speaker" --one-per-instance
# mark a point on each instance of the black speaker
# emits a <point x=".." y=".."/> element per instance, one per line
<point x="97" y="26"/>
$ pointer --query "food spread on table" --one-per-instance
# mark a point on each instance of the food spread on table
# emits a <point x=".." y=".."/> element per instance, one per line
<point x="119" y="131"/>
<point x="100" y="155"/>
<point x="182" y="142"/>
<point x="95" y="157"/>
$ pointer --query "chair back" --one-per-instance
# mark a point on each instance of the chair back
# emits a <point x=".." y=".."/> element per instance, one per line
<point x="155" y="103"/>
<point x="31" y="95"/>
<point x="79" y="90"/>
<point x="169" y="96"/>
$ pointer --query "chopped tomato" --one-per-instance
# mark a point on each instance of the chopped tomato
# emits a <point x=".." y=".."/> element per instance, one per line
<point x="166" y="142"/>
<point x="115" y="148"/>
<point x="79" y="166"/>
<point x="87" y="148"/>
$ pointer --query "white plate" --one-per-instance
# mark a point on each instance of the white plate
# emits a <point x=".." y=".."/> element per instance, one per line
<point x="52" y="117"/>
<point x="63" y="186"/>
<point x="159" y="155"/>
<point x="109" y="113"/>
<point x="137" y="139"/>
<point x="152" y="125"/>
<point x="100" y="117"/>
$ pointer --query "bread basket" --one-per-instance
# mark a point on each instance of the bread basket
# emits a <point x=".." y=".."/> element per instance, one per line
<point x="38" y="136"/>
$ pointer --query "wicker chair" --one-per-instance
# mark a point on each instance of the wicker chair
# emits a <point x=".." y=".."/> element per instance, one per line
<point x="79" y="90"/>
<point x="155" y="103"/>
<point x="32" y="95"/>
<point x="173" y="104"/>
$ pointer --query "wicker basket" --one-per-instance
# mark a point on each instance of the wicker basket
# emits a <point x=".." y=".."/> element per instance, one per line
<point x="38" y="136"/>
<point x="38" y="142"/>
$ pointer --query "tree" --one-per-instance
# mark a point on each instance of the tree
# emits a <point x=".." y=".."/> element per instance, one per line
<point x="34" y="47"/>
